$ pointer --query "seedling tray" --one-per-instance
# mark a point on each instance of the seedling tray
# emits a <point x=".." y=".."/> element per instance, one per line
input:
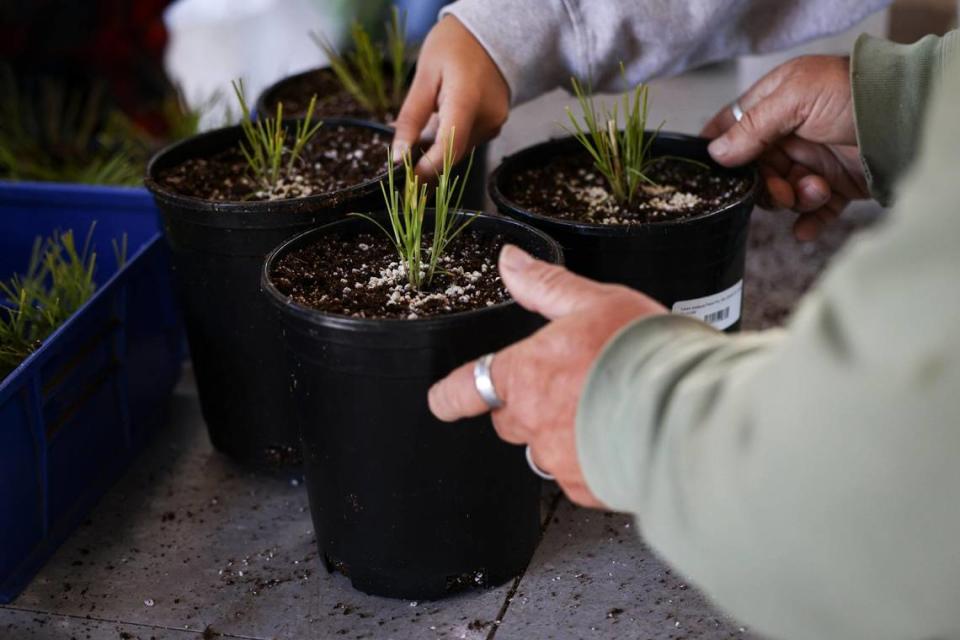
<point x="74" y="414"/>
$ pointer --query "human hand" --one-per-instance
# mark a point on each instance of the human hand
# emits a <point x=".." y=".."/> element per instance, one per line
<point x="798" y="122"/>
<point x="457" y="80"/>
<point x="540" y="379"/>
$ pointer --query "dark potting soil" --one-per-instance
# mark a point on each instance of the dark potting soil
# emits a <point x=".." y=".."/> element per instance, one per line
<point x="570" y="188"/>
<point x="333" y="101"/>
<point x="361" y="276"/>
<point x="335" y="158"/>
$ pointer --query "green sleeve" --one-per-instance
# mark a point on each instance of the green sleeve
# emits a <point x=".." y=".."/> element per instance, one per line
<point x="892" y="84"/>
<point x="807" y="479"/>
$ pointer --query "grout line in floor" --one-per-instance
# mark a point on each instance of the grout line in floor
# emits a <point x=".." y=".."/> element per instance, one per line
<point x="143" y="625"/>
<point x="516" y="581"/>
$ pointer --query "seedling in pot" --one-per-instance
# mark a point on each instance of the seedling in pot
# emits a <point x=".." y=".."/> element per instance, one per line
<point x="58" y="281"/>
<point x="343" y="299"/>
<point x="621" y="155"/>
<point x="406" y="210"/>
<point x="361" y="72"/>
<point x="266" y="150"/>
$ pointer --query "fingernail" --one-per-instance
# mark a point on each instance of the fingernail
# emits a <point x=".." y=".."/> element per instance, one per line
<point x="719" y="148"/>
<point x="399" y="149"/>
<point x="436" y="404"/>
<point x="514" y="258"/>
<point x="814" y="193"/>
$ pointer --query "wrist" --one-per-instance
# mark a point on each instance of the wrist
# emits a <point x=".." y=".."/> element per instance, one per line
<point x="521" y="41"/>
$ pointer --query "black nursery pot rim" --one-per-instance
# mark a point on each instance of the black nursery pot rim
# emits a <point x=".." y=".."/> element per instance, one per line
<point x="160" y="160"/>
<point x="509" y="163"/>
<point x="351" y="323"/>
<point x="268" y="95"/>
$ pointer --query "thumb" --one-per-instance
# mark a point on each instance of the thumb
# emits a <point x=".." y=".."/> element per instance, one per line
<point x="545" y="288"/>
<point x="417" y="108"/>
<point x="762" y="125"/>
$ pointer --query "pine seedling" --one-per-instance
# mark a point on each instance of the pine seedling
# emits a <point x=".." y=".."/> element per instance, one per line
<point x="361" y="71"/>
<point x="58" y="281"/>
<point x="59" y="135"/>
<point x="622" y="156"/>
<point x="397" y="53"/>
<point x="266" y="141"/>
<point x="54" y="136"/>
<point x="19" y="314"/>
<point x="182" y="120"/>
<point x="406" y="211"/>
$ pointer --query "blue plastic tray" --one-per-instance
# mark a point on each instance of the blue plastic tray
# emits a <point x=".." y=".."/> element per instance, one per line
<point x="74" y="413"/>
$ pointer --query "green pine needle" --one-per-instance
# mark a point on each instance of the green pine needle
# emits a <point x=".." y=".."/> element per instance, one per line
<point x="397" y="52"/>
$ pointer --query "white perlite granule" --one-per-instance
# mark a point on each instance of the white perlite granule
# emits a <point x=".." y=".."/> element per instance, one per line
<point x="679" y="201"/>
<point x="287" y="187"/>
<point x="598" y="200"/>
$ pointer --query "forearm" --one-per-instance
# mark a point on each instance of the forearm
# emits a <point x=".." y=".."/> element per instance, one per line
<point x="539" y="44"/>
<point x="806" y="479"/>
<point x="892" y="84"/>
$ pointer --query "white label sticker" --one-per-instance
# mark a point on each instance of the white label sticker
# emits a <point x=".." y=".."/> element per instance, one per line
<point x="722" y="310"/>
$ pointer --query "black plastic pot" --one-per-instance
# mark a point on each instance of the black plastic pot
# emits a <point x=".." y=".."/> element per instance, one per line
<point x="693" y="266"/>
<point x="235" y="343"/>
<point x="405" y="505"/>
<point x="474" y="195"/>
<point x="288" y="86"/>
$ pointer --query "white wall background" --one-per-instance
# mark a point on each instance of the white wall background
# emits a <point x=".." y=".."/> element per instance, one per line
<point x="215" y="41"/>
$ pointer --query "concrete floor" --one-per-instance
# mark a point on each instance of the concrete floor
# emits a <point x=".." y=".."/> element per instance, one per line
<point x="188" y="545"/>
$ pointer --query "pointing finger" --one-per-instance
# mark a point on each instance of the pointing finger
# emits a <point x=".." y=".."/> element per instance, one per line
<point x="417" y="108"/>
<point x="456" y="396"/>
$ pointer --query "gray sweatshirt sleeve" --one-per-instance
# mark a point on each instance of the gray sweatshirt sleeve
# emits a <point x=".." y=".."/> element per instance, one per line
<point x="539" y="44"/>
<point x="807" y="479"/>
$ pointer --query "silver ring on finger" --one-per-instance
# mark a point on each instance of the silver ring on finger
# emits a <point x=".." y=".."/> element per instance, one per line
<point x="537" y="470"/>
<point x="484" y="383"/>
<point x="736" y="110"/>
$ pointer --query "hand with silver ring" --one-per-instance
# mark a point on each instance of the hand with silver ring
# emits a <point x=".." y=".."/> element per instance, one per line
<point x="532" y="388"/>
<point x="797" y="122"/>
<point x="484" y="384"/>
